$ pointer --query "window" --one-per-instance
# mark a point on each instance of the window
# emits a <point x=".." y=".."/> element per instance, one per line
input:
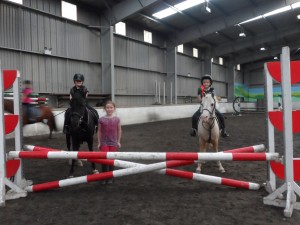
<point x="68" y="10"/>
<point x="195" y="52"/>
<point x="238" y="67"/>
<point x="212" y="59"/>
<point x="121" y="28"/>
<point x="180" y="48"/>
<point x="220" y="60"/>
<point x="147" y="36"/>
<point x="17" y="1"/>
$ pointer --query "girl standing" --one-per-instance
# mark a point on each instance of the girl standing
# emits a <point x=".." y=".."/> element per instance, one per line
<point x="109" y="133"/>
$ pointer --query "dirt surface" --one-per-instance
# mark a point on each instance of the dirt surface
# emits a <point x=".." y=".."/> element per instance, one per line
<point x="152" y="198"/>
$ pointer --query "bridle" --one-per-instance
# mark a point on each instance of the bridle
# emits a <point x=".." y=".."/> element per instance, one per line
<point x="209" y="125"/>
<point x="81" y="124"/>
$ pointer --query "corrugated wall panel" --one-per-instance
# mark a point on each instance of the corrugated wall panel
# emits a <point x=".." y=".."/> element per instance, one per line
<point x="255" y="77"/>
<point x="187" y="64"/>
<point x="219" y="75"/>
<point x="28" y="32"/>
<point x="139" y="55"/>
<point x="136" y="82"/>
<point x="187" y="86"/>
<point x="9" y="26"/>
<point x="239" y="77"/>
<point x="219" y="72"/>
<point x="157" y="59"/>
<point x="120" y="51"/>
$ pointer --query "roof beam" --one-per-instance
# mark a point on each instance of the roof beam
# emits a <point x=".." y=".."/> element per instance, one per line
<point x="125" y="9"/>
<point x="220" y="23"/>
<point x="241" y="59"/>
<point x="257" y="40"/>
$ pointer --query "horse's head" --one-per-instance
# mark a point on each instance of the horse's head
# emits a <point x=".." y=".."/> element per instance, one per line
<point x="208" y="106"/>
<point x="78" y="112"/>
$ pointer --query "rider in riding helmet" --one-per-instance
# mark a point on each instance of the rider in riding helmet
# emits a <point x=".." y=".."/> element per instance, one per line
<point x="27" y="101"/>
<point x="205" y="88"/>
<point x="78" y="87"/>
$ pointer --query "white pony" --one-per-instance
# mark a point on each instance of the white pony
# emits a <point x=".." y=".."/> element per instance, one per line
<point x="208" y="128"/>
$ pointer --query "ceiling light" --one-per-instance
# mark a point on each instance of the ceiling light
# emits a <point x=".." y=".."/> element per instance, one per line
<point x="255" y="18"/>
<point x="280" y="10"/>
<point x="241" y="30"/>
<point x="179" y="7"/>
<point x="296" y="5"/>
<point x="275" y="57"/>
<point x="298" y="17"/>
<point x="263" y="49"/>
<point x="188" y="4"/>
<point x="164" y="13"/>
<point x="242" y="34"/>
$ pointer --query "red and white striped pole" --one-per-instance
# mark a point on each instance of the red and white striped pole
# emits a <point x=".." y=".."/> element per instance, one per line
<point x="145" y="155"/>
<point x="103" y="176"/>
<point x="185" y="174"/>
<point x="248" y="149"/>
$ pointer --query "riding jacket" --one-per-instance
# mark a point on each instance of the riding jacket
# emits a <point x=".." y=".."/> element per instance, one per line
<point x="82" y="90"/>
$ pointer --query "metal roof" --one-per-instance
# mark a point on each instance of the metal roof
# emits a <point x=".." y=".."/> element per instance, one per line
<point x="215" y="32"/>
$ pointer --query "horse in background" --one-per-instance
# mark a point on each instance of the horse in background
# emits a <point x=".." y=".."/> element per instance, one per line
<point x="82" y="128"/>
<point x="45" y="115"/>
<point x="208" y="128"/>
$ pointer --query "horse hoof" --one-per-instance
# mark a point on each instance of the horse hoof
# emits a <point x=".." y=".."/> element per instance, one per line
<point x="222" y="170"/>
<point x="198" y="170"/>
<point x="78" y="163"/>
<point x="95" y="171"/>
<point x="69" y="162"/>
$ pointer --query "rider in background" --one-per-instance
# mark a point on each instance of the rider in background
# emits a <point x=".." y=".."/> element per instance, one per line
<point x="80" y="89"/>
<point x="206" y="87"/>
<point x="27" y="101"/>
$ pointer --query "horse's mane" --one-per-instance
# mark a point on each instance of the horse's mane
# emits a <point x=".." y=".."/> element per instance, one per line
<point x="77" y="102"/>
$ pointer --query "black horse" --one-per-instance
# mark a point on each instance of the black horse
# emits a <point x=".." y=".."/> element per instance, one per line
<point x="83" y="123"/>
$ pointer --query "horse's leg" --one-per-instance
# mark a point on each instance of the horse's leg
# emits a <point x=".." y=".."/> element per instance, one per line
<point x="216" y="149"/>
<point x="202" y="144"/>
<point x="90" y="145"/>
<point x="50" y="120"/>
<point x="75" y="147"/>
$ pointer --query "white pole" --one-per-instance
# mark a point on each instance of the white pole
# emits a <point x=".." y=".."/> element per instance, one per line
<point x="164" y="93"/>
<point x="2" y="144"/>
<point x="171" y="96"/>
<point x="156" y="91"/>
<point x="159" y="92"/>
<point x="271" y="184"/>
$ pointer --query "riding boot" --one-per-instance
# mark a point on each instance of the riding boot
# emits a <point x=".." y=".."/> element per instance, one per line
<point x="195" y="120"/>
<point x="221" y="120"/>
<point x="66" y="129"/>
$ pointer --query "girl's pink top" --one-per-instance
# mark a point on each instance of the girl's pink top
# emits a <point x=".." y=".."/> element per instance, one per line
<point x="109" y="130"/>
<point x="27" y="92"/>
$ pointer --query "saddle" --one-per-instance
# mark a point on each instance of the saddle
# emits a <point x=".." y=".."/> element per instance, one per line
<point x="33" y="113"/>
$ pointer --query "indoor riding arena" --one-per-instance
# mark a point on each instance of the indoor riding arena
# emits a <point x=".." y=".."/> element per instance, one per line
<point x="149" y="112"/>
<point x="152" y="198"/>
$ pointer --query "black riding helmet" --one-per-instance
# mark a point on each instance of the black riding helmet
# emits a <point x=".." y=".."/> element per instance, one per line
<point x="26" y="82"/>
<point x="206" y="77"/>
<point x="78" y="76"/>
